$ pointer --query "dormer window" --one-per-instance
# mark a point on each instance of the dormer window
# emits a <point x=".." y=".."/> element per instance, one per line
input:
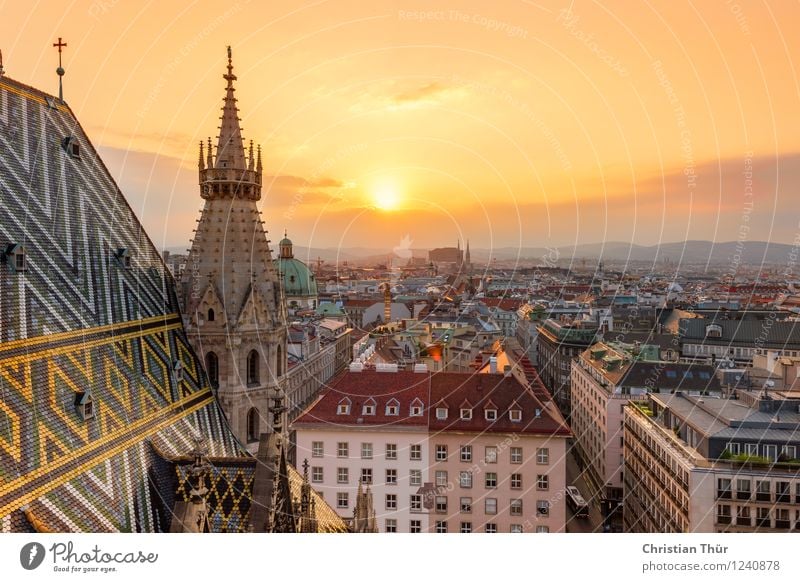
<point x="392" y="408"/>
<point x="416" y="407"/>
<point x="713" y="330"/>
<point x="490" y="414"/>
<point x="441" y="413"/>
<point x="369" y="408"/>
<point x="343" y="407"/>
<point x="123" y="256"/>
<point x="515" y="415"/>
<point x="177" y="369"/>
<point x="84" y="404"/>
<point x="72" y="147"/>
<point x="466" y="414"/>
<point x="15" y="255"/>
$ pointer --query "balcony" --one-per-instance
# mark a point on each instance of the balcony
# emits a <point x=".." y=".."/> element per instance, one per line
<point x="744" y="521"/>
<point x="763" y="497"/>
<point x="743" y="495"/>
<point x="783" y="498"/>
<point x="724" y="519"/>
<point x="723" y="493"/>
<point x="782" y="524"/>
<point x="764" y="522"/>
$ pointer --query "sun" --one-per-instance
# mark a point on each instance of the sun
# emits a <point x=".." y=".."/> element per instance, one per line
<point x="386" y="197"/>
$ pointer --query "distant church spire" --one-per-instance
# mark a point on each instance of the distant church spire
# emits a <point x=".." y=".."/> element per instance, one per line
<point x="230" y="149"/>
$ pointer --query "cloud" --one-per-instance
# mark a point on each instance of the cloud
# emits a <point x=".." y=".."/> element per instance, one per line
<point x="425" y="93"/>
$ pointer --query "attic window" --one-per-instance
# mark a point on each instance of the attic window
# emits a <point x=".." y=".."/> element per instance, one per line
<point x="369" y="408"/>
<point x="84" y="404"/>
<point x="291" y="278"/>
<point x="490" y="414"/>
<point x="416" y="407"/>
<point x="441" y="414"/>
<point x="124" y="257"/>
<point x="466" y="414"/>
<point x="177" y="368"/>
<point x="393" y="408"/>
<point x="343" y="407"/>
<point x="515" y="415"/>
<point x="15" y="254"/>
<point x="72" y="147"/>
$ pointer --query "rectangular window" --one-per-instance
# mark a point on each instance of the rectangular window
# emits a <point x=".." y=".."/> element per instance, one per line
<point x="342" y="475"/>
<point x="466" y="453"/>
<point x="542" y="507"/>
<point x="466" y="504"/>
<point x="391" y="476"/>
<point x="441" y="452"/>
<point x="490" y="414"/>
<point x="516" y="455"/>
<point x="466" y="527"/>
<point x="366" y="476"/>
<point x="733" y="448"/>
<point x="415" y="453"/>
<point x="789" y="451"/>
<point x="751" y="448"/>
<point x="441" y="414"/>
<point x="465" y="479"/>
<point x="516" y="507"/>
<point x="414" y="526"/>
<point x="516" y="528"/>
<point x="366" y="450"/>
<point x="466" y="414"/>
<point x="316" y="475"/>
<point x="317" y="449"/>
<point x="441" y="504"/>
<point x="516" y="480"/>
<point x="441" y="526"/>
<point x="515" y="415"/>
<point x="542" y="529"/>
<point x="491" y="480"/>
<point x="342" y="500"/>
<point x="391" y="501"/>
<point x="491" y="454"/>
<point x="391" y="452"/>
<point x="391" y="526"/>
<point x="415" y="478"/>
<point x="490" y="528"/>
<point x="416" y="503"/>
<point x="342" y="450"/>
<point x="490" y="506"/>
<point x="542" y="456"/>
<point x="441" y="478"/>
<point x="542" y="482"/>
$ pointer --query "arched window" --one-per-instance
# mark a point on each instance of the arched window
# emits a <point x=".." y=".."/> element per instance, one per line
<point x="210" y="314"/>
<point x="252" y="425"/>
<point x="212" y="369"/>
<point x="252" y="367"/>
<point x="279" y="367"/>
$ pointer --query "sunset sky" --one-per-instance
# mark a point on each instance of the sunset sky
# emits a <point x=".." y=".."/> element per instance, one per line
<point x="515" y="124"/>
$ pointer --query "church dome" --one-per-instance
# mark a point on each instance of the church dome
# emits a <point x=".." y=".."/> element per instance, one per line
<point x="298" y="280"/>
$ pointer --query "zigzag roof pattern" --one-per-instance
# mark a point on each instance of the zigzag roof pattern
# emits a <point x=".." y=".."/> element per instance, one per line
<point x="89" y="315"/>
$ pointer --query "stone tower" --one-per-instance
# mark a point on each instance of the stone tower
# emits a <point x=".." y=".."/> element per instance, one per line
<point x="234" y="311"/>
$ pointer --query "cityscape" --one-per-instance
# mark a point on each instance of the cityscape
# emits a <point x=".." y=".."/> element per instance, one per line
<point x="397" y="362"/>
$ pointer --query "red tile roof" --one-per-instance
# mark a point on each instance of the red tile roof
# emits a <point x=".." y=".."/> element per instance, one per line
<point x="441" y="388"/>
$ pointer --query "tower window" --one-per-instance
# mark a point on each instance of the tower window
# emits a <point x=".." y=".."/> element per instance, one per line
<point x="177" y="368"/>
<point x="210" y="314"/>
<point x="16" y="256"/>
<point x="252" y="368"/>
<point x="279" y="366"/>
<point x="252" y="425"/>
<point x="212" y="369"/>
<point x="84" y="404"/>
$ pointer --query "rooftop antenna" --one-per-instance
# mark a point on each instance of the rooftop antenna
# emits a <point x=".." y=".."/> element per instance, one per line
<point x="60" y="70"/>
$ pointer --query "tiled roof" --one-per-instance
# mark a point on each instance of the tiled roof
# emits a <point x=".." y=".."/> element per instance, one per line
<point x="502" y="392"/>
<point x="81" y="320"/>
<point x="382" y="387"/>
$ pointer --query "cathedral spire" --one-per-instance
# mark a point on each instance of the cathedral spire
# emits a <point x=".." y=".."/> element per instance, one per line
<point x="230" y="149"/>
<point x="200" y="158"/>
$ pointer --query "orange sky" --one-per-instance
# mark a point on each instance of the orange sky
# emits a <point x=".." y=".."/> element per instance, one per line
<point x="517" y="125"/>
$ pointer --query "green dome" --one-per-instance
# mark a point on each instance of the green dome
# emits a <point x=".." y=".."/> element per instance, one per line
<point x="298" y="280"/>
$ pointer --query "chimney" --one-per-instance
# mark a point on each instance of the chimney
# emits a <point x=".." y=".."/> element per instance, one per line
<point x="493" y="365"/>
<point x="507" y="370"/>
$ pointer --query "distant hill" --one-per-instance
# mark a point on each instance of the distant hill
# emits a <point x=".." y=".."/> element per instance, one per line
<point x="688" y="252"/>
